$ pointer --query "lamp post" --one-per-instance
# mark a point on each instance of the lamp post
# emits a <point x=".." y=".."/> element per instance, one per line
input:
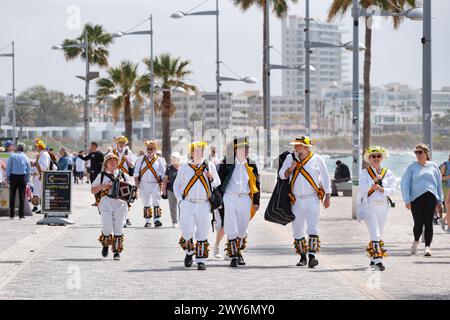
<point x="89" y="76"/>
<point x="12" y="56"/>
<point x="181" y="14"/>
<point x="152" y="74"/>
<point x="427" y="75"/>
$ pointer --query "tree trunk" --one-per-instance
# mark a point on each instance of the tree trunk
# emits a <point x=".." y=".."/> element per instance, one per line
<point x="128" y="120"/>
<point x="166" y="132"/>
<point x="367" y="65"/>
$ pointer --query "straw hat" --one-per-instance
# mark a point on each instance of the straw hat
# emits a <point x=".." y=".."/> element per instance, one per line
<point x="108" y="157"/>
<point x="303" y="140"/>
<point x="151" y="143"/>
<point x="198" y="145"/>
<point x="121" y="139"/>
<point x="375" y="150"/>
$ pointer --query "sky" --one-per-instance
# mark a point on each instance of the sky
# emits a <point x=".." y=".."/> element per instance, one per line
<point x="36" y="26"/>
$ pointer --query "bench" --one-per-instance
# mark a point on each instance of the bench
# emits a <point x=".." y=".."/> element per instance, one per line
<point x="345" y="187"/>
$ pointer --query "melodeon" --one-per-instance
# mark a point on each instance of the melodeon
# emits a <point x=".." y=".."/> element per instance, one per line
<point x="124" y="191"/>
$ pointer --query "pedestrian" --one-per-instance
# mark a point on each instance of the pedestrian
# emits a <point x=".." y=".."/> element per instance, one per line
<point x="126" y="162"/>
<point x="79" y="168"/>
<point x="148" y="177"/>
<point x="63" y="162"/>
<point x="309" y="185"/>
<point x="41" y="164"/>
<point x="112" y="210"/>
<point x="192" y="188"/>
<point x="422" y="193"/>
<point x="445" y="172"/>
<point x="167" y="188"/>
<point x="213" y="156"/>
<point x="53" y="160"/>
<point x="18" y="175"/>
<point x="341" y="174"/>
<point x="240" y="189"/>
<point x="96" y="158"/>
<point x="376" y="186"/>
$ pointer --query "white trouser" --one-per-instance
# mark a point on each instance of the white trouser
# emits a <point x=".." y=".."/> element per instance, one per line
<point x="377" y="213"/>
<point x="307" y="212"/>
<point x="112" y="218"/>
<point x="150" y="194"/>
<point x="237" y="215"/>
<point x="195" y="221"/>
<point x="37" y="187"/>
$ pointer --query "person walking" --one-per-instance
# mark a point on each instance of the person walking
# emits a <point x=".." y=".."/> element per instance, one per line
<point x="167" y="188"/>
<point x="376" y="185"/>
<point x="18" y="175"/>
<point x="445" y="171"/>
<point x="41" y="164"/>
<point x="309" y="185"/>
<point x="79" y="168"/>
<point x="422" y="193"/>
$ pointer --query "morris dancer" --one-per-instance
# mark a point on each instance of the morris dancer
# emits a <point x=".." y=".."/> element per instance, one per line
<point x="240" y="187"/>
<point x="41" y="164"/>
<point x="192" y="189"/>
<point x="376" y="185"/>
<point x="111" y="210"/>
<point x="148" y="178"/>
<point x="310" y="184"/>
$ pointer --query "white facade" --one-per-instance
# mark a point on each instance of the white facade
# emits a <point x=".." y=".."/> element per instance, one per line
<point x="328" y="62"/>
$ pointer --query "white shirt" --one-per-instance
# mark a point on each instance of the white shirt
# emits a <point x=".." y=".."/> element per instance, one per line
<point x="239" y="179"/>
<point x="79" y="164"/>
<point x="317" y="170"/>
<point x="197" y="192"/>
<point x="130" y="156"/>
<point x="148" y="176"/>
<point x="44" y="160"/>
<point x="107" y="203"/>
<point x="366" y="183"/>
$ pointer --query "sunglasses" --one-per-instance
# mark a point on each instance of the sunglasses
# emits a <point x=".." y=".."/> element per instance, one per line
<point x="150" y="149"/>
<point x="376" y="156"/>
<point x="418" y="152"/>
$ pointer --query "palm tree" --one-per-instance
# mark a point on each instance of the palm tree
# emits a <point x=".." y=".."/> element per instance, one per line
<point x="122" y="85"/>
<point x="280" y="8"/>
<point x="340" y="7"/>
<point x="171" y="73"/>
<point x="98" y="39"/>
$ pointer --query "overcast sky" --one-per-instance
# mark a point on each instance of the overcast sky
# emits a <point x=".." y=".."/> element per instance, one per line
<point x="37" y="25"/>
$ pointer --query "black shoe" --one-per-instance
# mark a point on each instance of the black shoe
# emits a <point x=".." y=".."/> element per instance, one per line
<point x="116" y="256"/>
<point x="234" y="262"/>
<point x="188" y="260"/>
<point x="158" y="224"/>
<point x="372" y="263"/>
<point x="313" y="262"/>
<point x="128" y="222"/>
<point x="38" y="212"/>
<point x="35" y="209"/>
<point x="240" y="261"/>
<point x="147" y="225"/>
<point x="201" y="266"/>
<point x="11" y="217"/>
<point x="379" y="266"/>
<point x="125" y="225"/>
<point x="22" y="218"/>
<point x="303" y="261"/>
<point x="105" y="252"/>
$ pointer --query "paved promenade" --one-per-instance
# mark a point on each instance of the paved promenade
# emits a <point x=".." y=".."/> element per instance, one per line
<point x="42" y="262"/>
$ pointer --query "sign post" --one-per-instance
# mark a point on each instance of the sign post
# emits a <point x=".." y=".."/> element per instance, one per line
<point x="56" y="199"/>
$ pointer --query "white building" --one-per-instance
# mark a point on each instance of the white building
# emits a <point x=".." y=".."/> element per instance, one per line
<point x="328" y="62"/>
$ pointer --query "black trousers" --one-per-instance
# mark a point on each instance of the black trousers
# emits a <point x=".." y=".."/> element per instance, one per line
<point x="17" y="183"/>
<point x="423" y="212"/>
<point x="93" y="175"/>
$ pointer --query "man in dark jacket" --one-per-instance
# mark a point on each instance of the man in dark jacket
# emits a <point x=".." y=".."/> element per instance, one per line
<point x="96" y="158"/>
<point x="341" y="174"/>
<point x="240" y="188"/>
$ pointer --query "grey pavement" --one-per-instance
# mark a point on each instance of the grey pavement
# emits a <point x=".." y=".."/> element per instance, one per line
<point x="43" y="262"/>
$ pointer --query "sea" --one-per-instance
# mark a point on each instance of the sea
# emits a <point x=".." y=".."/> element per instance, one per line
<point x="397" y="162"/>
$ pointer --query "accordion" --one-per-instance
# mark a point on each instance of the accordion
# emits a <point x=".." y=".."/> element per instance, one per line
<point x="123" y="190"/>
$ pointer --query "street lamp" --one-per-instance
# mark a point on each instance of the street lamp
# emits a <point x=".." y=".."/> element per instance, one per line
<point x="152" y="75"/>
<point x="87" y="78"/>
<point x="244" y="79"/>
<point x="414" y="14"/>
<point x="181" y="14"/>
<point x="12" y="55"/>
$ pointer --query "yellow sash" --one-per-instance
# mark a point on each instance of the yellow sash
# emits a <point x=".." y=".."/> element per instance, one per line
<point x="373" y="175"/>
<point x="149" y="166"/>
<point x="121" y="165"/>
<point x="253" y="187"/>
<point x="198" y="175"/>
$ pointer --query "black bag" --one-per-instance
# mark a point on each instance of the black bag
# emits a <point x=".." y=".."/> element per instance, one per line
<point x="216" y="197"/>
<point x="279" y="208"/>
